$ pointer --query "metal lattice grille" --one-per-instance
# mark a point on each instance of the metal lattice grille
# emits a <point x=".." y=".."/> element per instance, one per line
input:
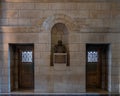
<point x="92" y="56"/>
<point x="27" y="56"/>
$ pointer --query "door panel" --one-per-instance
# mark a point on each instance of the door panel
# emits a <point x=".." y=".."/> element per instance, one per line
<point x="93" y="70"/>
<point x="96" y="66"/>
<point x="26" y="67"/>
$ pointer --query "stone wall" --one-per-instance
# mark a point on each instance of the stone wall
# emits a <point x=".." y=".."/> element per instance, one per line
<point x="31" y="21"/>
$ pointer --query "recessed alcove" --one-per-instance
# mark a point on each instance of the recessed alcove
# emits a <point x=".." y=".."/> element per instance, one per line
<point x="59" y="32"/>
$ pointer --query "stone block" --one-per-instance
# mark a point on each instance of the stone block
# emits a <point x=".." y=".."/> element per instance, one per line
<point x="94" y="6"/>
<point x="74" y="55"/>
<point x="6" y="29"/>
<point x="97" y="14"/>
<point x="13" y="22"/>
<point x="4" y="22"/>
<point x="30" y="13"/>
<point x="104" y="6"/>
<point x="93" y="38"/>
<point x="45" y="55"/>
<point x="5" y="89"/>
<point x="79" y="70"/>
<point x="57" y="6"/>
<point x="3" y="47"/>
<point x="113" y="38"/>
<point x="116" y="14"/>
<point x="42" y="84"/>
<point x="115" y="23"/>
<point x="113" y="30"/>
<point x="36" y="47"/>
<point x="19" y="1"/>
<point x="37" y="55"/>
<point x="106" y="24"/>
<point x="23" y="22"/>
<point x="115" y="46"/>
<point x="44" y="70"/>
<point x="48" y="13"/>
<point x="114" y="87"/>
<point x="115" y="63"/>
<point x="42" y="6"/>
<point x="76" y="62"/>
<point x="44" y="62"/>
<point x="75" y="83"/>
<point x="59" y="83"/>
<point x="3" y="55"/>
<point x="37" y="22"/>
<point x="60" y="67"/>
<point x="44" y="38"/>
<point x="11" y="14"/>
<point x="115" y="71"/>
<point x="44" y="48"/>
<point x="115" y="54"/>
<point x="84" y="6"/>
<point x="21" y="38"/>
<point x="5" y="71"/>
<point x="74" y="38"/>
<point x="74" y="47"/>
<point x="115" y="6"/>
<point x="82" y="48"/>
<point x="82" y="14"/>
<point x="17" y="5"/>
<point x="4" y="80"/>
<point x="71" y="6"/>
<point x="95" y="22"/>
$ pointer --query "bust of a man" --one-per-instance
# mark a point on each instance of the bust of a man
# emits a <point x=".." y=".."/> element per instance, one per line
<point x="59" y="48"/>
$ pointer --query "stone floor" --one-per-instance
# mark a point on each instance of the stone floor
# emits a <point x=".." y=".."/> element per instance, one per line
<point x="61" y="94"/>
<point x="90" y="92"/>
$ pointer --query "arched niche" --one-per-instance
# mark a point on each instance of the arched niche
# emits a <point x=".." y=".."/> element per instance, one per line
<point x="59" y="32"/>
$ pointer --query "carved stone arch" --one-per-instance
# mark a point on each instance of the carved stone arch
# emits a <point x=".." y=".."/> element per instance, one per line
<point x="67" y="25"/>
<point x="58" y="18"/>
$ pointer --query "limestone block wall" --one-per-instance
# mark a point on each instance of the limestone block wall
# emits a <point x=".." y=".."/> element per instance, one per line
<point x="31" y="21"/>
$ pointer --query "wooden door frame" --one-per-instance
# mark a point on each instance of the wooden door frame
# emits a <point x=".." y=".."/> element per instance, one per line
<point x="107" y="47"/>
<point x="16" y="47"/>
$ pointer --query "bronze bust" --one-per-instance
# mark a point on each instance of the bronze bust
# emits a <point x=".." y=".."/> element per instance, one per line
<point x="59" y="48"/>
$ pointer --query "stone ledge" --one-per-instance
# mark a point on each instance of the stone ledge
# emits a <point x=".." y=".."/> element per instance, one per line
<point x="18" y="29"/>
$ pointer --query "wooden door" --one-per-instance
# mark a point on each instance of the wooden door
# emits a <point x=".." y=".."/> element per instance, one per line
<point x="26" y="67"/>
<point x="96" y="66"/>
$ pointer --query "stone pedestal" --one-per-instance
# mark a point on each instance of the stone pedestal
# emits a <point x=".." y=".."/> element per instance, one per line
<point x="60" y="61"/>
